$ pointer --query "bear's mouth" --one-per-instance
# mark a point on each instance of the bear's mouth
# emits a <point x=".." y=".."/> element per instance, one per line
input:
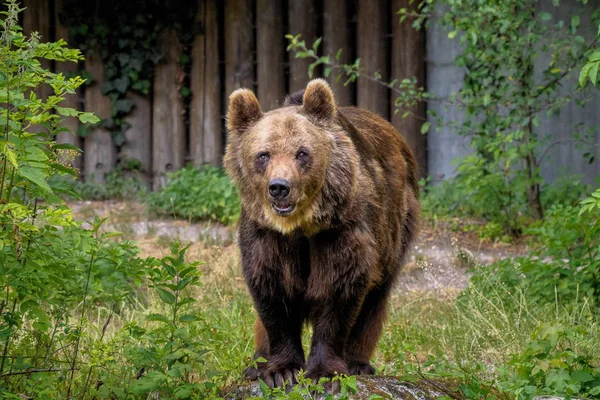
<point x="283" y="209"/>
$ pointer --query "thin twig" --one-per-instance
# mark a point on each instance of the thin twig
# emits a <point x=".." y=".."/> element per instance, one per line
<point x="85" y="293"/>
<point x="32" y="371"/>
<point x="89" y="374"/>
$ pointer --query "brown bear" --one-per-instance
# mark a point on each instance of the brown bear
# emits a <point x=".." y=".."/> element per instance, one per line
<point x="329" y="209"/>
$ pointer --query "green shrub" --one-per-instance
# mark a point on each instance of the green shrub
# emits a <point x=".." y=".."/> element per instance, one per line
<point x="121" y="183"/>
<point x="551" y="364"/>
<point x="198" y="194"/>
<point x="565" y="264"/>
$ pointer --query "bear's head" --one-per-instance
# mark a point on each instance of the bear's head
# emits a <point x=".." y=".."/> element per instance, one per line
<point x="282" y="161"/>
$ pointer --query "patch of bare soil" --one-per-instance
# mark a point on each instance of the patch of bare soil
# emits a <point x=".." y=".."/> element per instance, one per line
<point x="439" y="262"/>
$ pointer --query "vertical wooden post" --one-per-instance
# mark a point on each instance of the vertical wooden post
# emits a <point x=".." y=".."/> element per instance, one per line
<point x="205" y="107"/>
<point x="336" y="36"/>
<point x="408" y="60"/>
<point x="270" y="46"/>
<point x="36" y="18"/>
<point x="73" y="100"/>
<point x="138" y="143"/>
<point x="302" y="20"/>
<point x="99" y="149"/>
<point x="239" y="45"/>
<point x="371" y="37"/>
<point x="168" y="129"/>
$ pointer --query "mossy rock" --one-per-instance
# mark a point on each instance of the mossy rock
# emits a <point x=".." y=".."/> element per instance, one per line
<point x="384" y="386"/>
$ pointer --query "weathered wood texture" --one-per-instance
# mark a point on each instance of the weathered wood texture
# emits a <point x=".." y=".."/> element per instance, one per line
<point x="37" y="20"/>
<point x="100" y="154"/>
<point x="73" y="100"/>
<point x="408" y="60"/>
<point x="205" y="84"/>
<point x="371" y="36"/>
<point x="302" y="19"/>
<point x="239" y="45"/>
<point x="336" y="35"/>
<point x="168" y="128"/>
<point x="270" y="47"/>
<point x="138" y="143"/>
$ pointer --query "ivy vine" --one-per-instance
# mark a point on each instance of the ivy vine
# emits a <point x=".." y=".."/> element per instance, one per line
<point x="126" y="36"/>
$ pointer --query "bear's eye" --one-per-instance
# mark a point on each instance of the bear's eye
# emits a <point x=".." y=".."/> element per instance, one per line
<point x="262" y="157"/>
<point x="302" y="155"/>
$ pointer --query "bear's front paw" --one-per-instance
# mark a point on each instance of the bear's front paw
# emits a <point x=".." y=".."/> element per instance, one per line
<point x="275" y="374"/>
<point x="327" y="368"/>
<point x="360" y="368"/>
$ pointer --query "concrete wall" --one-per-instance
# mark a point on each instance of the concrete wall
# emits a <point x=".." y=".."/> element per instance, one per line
<point x="444" y="78"/>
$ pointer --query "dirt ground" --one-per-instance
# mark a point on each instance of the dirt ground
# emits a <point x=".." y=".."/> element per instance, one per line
<point x="439" y="261"/>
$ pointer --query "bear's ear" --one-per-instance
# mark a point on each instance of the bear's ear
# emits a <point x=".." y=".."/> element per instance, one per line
<point x="244" y="110"/>
<point x="318" y="100"/>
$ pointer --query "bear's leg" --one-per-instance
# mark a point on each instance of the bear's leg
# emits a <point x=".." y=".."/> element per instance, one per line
<point x="282" y="321"/>
<point x="366" y="331"/>
<point x="341" y="268"/>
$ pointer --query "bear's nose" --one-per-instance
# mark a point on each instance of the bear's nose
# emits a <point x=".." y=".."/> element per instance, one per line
<point x="279" y="188"/>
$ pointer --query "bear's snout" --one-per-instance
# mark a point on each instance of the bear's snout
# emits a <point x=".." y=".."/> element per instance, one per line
<point x="279" y="189"/>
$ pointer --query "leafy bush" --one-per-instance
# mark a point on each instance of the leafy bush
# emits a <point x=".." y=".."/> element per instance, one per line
<point x="552" y="365"/>
<point x="121" y="183"/>
<point x="198" y="194"/>
<point x="566" y="262"/>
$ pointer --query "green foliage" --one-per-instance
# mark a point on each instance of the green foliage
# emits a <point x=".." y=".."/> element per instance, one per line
<point x="552" y="365"/>
<point x="126" y="36"/>
<point x="589" y="71"/>
<point x="198" y="194"/>
<point x="566" y="263"/>
<point x="306" y="388"/>
<point x="121" y="183"/>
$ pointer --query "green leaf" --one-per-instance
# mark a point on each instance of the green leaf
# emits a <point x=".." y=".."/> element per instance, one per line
<point x="425" y="127"/>
<point x="452" y="34"/>
<point x="10" y="155"/>
<point x="88" y="118"/>
<point x="35" y="176"/>
<point x="67" y="112"/>
<point x="545" y="16"/>
<point x="581" y="376"/>
<point x="594" y="73"/>
<point x="66" y="146"/>
<point x="166" y="296"/>
<point x="574" y="23"/>
<point x="584" y="73"/>
<point x="338" y="55"/>
<point x="317" y="43"/>
<point x="188" y="318"/>
<point x="157" y="318"/>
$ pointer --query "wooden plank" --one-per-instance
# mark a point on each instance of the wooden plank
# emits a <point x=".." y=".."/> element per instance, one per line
<point x="36" y="18"/>
<point x="336" y="35"/>
<point x="371" y="37"/>
<point x="168" y="129"/>
<point x="100" y="154"/>
<point x="239" y="45"/>
<point x="138" y="143"/>
<point x="205" y="82"/>
<point x="73" y="100"/>
<point x="270" y="46"/>
<point x="302" y="20"/>
<point x="408" y="60"/>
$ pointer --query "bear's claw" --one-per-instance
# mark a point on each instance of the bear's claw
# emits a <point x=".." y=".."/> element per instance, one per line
<point x="273" y="377"/>
<point x="361" y="368"/>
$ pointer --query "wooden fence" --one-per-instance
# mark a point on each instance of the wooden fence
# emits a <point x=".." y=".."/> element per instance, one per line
<point x="242" y="44"/>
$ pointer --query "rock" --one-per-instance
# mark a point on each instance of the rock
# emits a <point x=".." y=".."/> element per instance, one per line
<point x="384" y="386"/>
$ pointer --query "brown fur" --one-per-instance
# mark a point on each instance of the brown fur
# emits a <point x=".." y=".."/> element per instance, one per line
<point x="333" y="260"/>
